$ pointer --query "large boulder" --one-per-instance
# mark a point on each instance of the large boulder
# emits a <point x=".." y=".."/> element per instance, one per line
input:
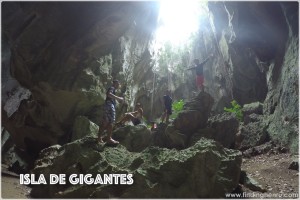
<point x="253" y="131"/>
<point x="221" y="128"/>
<point x="83" y="127"/>
<point x="255" y="107"/>
<point x="253" y="134"/>
<point x="226" y="127"/>
<point x="158" y="136"/>
<point x="175" y="139"/>
<point x="205" y="170"/>
<point x="195" y="114"/>
<point x="252" y="111"/>
<point x="205" y="132"/>
<point x="134" y="138"/>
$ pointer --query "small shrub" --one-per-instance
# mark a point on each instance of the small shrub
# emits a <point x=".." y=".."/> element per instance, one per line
<point x="236" y="109"/>
<point x="177" y="106"/>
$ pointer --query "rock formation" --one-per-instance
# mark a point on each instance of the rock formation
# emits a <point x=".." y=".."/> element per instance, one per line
<point x="57" y="64"/>
<point x="62" y="56"/>
<point x="205" y="170"/>
<point x="58" y="58"/>
<point x="257" y="45"/>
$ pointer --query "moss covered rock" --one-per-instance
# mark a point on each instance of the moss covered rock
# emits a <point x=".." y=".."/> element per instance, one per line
<point x="84" y="127"/>
<point x="205" y="170"/>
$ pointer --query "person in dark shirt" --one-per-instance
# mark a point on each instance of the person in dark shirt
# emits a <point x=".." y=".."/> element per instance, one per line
<point x="167" y="107"/>
<point x="199" y="73"/>
<point x="109" y="115"/>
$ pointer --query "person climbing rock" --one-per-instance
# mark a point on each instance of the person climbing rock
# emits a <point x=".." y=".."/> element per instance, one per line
<point x="136" y="116"/>
<point x="199" y="72"/>
<point x="167" y="107"/>
<point x="109" y="115"/>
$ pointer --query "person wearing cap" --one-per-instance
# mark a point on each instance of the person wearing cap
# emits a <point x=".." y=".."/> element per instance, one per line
<point x="109" y="115"/>
<point x="135" y="116"/>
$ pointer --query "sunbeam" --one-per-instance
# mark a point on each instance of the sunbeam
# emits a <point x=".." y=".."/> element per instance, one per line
<point x="177" y="21"/>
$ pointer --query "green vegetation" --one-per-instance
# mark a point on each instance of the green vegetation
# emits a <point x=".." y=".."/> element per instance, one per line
<point x="171" y="58"/>
<point x="177" y="106"/>
<point x="236" y="109"/>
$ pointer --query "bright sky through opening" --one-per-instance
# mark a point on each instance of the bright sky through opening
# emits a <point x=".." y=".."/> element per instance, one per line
<point x="177" y="20"/>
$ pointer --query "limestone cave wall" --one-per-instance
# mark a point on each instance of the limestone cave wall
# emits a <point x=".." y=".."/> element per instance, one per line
<point x="257" y="44"/>
<point x="58" y="58"/>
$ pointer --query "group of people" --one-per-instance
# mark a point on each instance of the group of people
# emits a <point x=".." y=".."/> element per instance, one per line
<point x="136" y="116"/>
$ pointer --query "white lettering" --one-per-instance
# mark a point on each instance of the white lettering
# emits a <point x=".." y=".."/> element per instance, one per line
<point x="42" y="180"/>
<point x="73" y="179"/>
<point x="53" y="179"/>
<point x="108" y="179"/>
<point x="130" y="180"/>
<point x="123" y="179"/>
<point x="88" y="180"/>
<point x="116" y="178"/>
<point x="98" y="179"/>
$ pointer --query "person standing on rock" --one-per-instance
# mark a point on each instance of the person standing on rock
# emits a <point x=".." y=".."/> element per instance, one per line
<point x="109" y="115"/>
<point x="199" y="73"/>
<point x="167" y="107"/>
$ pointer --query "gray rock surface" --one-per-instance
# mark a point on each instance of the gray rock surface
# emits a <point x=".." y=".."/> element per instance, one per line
<point x="226" y="127"/>
<point x="253" y="134"/>
<point x="195" y="114"/>
<point x="255" y="107"/>
<point x="157" y="172"/>
<point x="65" y="55"/>
<point x="295" y="163"/>
<point x="84" y="127"/>
<point x="134" y="138"/>
<point x="250" y="183"/>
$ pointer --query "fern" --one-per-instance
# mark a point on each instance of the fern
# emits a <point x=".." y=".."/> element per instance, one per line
<point x="236" y="109"/>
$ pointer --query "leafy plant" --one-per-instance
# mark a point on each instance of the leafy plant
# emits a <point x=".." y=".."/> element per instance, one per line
<point x="177" y="106"/>
<point x="236" y="109"/>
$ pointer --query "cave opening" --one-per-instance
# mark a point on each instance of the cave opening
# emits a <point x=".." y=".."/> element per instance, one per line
<point x="175" y="36"/>
<point x="178" y="20"/>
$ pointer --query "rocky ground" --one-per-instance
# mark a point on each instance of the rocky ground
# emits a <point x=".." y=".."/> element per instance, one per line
<point x="269" y="170"/>
<point x="272" y="172"/>
<point x="10" y="186"/>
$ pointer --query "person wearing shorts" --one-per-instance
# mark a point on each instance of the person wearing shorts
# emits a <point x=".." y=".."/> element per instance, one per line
<point x="109" y="114"/>
<point x="199" y="73"/>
